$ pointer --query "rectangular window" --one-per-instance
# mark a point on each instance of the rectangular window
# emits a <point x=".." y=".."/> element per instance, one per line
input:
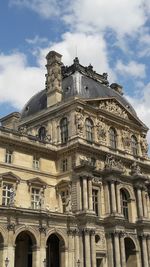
<point x="8" y="156"/>
<point x="6" y="192"/>
<point x="36" y="163"/>
<point x="64" y="165"/>
<point x="35" y="198"/>
<point x="95" y="200"/>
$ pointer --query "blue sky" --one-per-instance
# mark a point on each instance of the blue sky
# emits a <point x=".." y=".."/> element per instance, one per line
<point x="114" y="36"/>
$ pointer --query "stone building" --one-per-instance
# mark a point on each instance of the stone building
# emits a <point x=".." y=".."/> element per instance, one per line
<point x="74" y="175"/>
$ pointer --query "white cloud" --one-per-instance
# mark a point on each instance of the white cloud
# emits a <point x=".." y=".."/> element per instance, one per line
<point x="133" y="68"/>
<point x="37" y="40"/>
<point x="18" y="81"/>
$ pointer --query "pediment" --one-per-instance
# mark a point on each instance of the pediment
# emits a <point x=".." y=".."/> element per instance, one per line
<point x="10" y="176"/>
<point x="116" y="108"/>
<point x="63" y="183"/>
<point x="37" y="181"/>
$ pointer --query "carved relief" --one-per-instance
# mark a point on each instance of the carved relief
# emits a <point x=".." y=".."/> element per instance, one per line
<point x="126" y="140"/>
<point x="79" y="121"/>
<point x="144" y="146"/>
<point x="135" y="169"/>
<point x="113" y="107"/>
<point x="101" y="130"/>
<point x="54" y="77"/>
<point x="112" y="163"/>
<point x="87" y="161"/>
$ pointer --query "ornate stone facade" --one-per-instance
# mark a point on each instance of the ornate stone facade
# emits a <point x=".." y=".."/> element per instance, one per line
<point x="74" y="176"/>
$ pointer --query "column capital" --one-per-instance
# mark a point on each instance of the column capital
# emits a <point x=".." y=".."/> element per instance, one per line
<point x="42" y="229"/>
<point x="11" y="227"/>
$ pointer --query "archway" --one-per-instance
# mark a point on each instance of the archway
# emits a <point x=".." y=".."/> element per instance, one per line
<point x="24" y="249"/>
<point x="130" y="252"/>
<point x="55" y="254"/>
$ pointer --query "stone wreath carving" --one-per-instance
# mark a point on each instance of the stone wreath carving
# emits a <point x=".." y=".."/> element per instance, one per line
<point x="113" y="107"/>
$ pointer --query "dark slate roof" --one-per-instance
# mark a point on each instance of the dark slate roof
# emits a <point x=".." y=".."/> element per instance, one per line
<point x="78" y="81"/>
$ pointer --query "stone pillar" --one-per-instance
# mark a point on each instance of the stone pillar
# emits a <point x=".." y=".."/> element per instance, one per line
<point x="148" y="206"/>
<point x="81" y="249"/>
<point x="139" y="200"/>
<point x="107" y="197"/>
<point x="118" y="198"/>
<point x="93" y="251"/>
<point x="144" y="252"/>
<point x="87" y="248"/>
<point x="77" y="255"/>
<point x="71" y="249"/>
<point x="144" y="203"/>
<point x="117" y="249"/>
<point x="42" y="230"/>
<point x="79" y="195"/>
<point x="90" y="194"/>
<point x="11" y="247"/>
<point x="113" y="197"/>
<point x="85" y="197"/>
<point x="110" y="250"/>
<point x="35" y="256"/>
<point x="148" y="246"/>
<point x="122" y="249"/>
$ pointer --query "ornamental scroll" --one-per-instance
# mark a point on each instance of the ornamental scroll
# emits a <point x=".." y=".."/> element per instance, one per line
<point x="113" y="107"/>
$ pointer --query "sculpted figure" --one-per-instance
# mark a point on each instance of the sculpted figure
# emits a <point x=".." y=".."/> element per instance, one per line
<point x="144" y="146"/>
<point x="79" y="120"/>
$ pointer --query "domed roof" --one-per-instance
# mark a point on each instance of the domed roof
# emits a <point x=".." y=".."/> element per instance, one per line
<point x="78" y="81"/>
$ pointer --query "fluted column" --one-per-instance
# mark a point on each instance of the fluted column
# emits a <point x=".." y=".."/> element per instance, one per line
<point x="148" y="247"/>
<point x="148" y="206"/>
<point x="85" y="197"/>
<point x="42" y="230"/>
<point x="11" y="248"/>
<point x="81" y="249"/>
<point x="110" y="250"/>
<point x="90" y="194"/>
<point x="87" y="248"/>
<point x="71" y="248"/>
<point x="118" y="198"/>
<point x="113" y="196"/>
<point x="117" y="249"/>
<point x="107" y="197"/>
<point x="144" y="252"/>
<point x="77" y="255"/>
<point x="144" y="203"/>
<point x="139" y="200"/>
<point x="122" y="249"/>
<point x="93" y="251"/>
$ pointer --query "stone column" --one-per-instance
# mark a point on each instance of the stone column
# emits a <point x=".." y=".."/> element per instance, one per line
<point x="107" y="197"/>
<point x="117" y="249"/>
<point x="42" y="230"/>
<point x="118" y="198"/>
<point x="90" y="194"/>
<point x="79" y="195"/>
<point x="85" y="197"/>
<point x="110" y="250"/>
<point x="148" y="205"/>
<point x="144" y="252"/>
<point x="113" y="196"/>
<point x="71" y="248"/>
<point x="87" y="248"/>
<point x="122" y="249"/>
<point x="81" y="249"/>
<point x="77" y="255"/>
<point x="35" y="256"/>
<point x="11" y="247"/>
<point x="144" y="203"/>
<point x="148" y="246"/>
<point x="93" y="251"/>
<point x="139" y="200"/>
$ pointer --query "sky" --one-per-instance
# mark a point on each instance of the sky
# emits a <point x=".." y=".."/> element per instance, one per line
<point x="113" y="36"/>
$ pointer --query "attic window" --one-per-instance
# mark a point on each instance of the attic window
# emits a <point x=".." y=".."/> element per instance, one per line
<point x="86" y="88"/>
<point x="68" y="88"/>
<point x="27" y="108"/>
<point x="127" y="106"/>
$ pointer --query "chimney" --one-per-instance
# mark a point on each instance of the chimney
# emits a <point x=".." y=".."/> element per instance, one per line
<point x="53" y="78"/>
<point x="117" y="87"/>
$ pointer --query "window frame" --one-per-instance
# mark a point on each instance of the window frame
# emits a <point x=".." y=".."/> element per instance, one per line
<point x="124" y="197"/>
<point x="36" y="162"/>
<point x="134" y="145"/>
<point x="89" y="126"/>
<point x="42" y="136"/>
<point x="113" y="138"/>
<point x="8" y="156"/>
<point x="64" y="131"/>
<point x="95" y="203"/>
<point x="33" y="200"/>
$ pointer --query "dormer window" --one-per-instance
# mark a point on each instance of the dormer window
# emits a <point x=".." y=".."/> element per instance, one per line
<point x="8" y="156"/>
<point x="42" y="133"/>
<point x="89" y="130"/>
<point x="64" y="130"/>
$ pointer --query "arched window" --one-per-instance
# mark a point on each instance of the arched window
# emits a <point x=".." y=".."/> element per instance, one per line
<point x="42" y="133"/>
<point x="124" y="203"/>
<point x="64" y="130"/>
<point x="134" y="145"/>
<point x="113" y="138"/>
<point x="89" y="130"/>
